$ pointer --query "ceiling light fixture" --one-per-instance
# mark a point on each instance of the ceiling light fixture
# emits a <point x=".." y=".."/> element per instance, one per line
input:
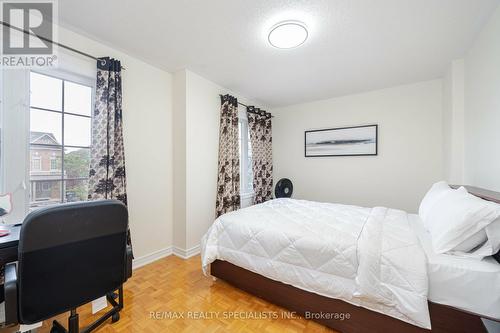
<point x="288" y="34"/>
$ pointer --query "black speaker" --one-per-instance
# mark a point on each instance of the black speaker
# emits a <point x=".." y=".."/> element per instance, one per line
<point x="283" y="189"/>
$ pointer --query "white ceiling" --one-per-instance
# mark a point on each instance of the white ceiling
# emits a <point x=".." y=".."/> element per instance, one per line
<point x="353" y="45"/>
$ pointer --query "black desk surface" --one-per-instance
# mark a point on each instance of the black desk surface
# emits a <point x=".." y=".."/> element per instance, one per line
<point x="11" y="239"/>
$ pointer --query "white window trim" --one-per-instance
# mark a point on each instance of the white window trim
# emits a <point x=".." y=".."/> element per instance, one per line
<point x="15" y="159"/>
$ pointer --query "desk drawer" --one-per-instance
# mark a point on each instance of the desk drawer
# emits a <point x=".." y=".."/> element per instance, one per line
<point x="7" y="255"/>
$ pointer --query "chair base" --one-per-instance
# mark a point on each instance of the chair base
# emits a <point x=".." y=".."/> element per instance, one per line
<point x="73" y="320"/>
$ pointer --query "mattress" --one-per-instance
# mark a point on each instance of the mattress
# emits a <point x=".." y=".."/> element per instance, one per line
<point x="465" y="283"/>
<point x="356" y="254"/>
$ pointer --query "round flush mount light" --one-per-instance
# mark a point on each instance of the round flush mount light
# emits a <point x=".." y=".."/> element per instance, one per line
<point x="288" y="34"/>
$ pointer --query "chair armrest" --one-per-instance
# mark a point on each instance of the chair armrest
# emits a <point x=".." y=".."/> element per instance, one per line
<point x="128" y="262"/>
<point x="10" y="290"/>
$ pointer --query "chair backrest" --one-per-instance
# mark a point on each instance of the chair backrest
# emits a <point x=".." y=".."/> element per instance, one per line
<point x="69" y="255"/>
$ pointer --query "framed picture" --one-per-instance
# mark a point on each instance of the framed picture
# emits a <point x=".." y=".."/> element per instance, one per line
<point x="342" y="141"/>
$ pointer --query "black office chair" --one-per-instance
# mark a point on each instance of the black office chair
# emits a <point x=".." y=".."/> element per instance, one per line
<point x="69" y="255"/>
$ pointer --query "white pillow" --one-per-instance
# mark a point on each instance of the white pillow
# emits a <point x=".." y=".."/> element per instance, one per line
<point x="437" y="191"/>
<point x="456" y="216"/>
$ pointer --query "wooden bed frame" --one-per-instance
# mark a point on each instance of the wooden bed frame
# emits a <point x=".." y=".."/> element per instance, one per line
<point x="444" y="319"/>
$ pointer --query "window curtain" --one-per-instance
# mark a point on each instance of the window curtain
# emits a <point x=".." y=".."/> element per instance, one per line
<point x="228" y="180"/>
<point x="261" y="140"/>
<point x="107" y="163"/>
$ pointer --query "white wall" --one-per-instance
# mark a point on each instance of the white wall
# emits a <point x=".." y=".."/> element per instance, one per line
<point x="453" y="122"/>
<point x="410" y="147"/>
<point x="179" y="136"/>
<point x="202" y="150"/>
<point x="197" y="141"/>
<point x="147" y="112"/>
<point x="482" y="108"/>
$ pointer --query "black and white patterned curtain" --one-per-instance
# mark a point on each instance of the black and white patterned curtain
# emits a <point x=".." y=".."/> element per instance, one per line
<point x="107" y="163"/>
<point x="228" y="180"/>
<point x="261" y="140"/>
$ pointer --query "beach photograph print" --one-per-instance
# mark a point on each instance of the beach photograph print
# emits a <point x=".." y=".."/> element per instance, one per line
<point x="345" y="141"/>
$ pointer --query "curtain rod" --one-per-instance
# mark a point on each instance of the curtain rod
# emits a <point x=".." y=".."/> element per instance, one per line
<point x="52" y="42"/>
<point x="220" y="95"/>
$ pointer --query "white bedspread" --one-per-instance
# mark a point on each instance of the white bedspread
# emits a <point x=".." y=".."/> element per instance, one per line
<point x="367" y="257"/>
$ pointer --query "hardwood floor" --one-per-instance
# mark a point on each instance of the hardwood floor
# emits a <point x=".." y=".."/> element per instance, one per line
<point x="167" y="295"/>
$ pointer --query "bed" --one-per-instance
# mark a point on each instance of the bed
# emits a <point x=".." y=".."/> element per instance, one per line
<point x="327" y="260"/>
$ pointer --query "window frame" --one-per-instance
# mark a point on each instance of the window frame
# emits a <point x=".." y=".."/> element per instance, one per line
<point x="38" y="159"/>
<point x="64" y="76"/>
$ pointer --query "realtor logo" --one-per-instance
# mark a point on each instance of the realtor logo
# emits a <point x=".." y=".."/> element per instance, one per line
<point x="27" y="31"/>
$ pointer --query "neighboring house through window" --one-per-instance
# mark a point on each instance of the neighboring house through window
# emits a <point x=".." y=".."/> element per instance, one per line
<point x="60" y="138"/>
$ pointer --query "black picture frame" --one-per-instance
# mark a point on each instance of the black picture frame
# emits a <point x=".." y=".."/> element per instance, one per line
<point x="375" y="153"/>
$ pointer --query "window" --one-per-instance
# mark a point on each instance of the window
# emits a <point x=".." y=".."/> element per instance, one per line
<point x="36" y="163"/>
<point x="60" y="138"/>
<point x="54" y="163"/>
<point x="46" y="186"/>
<point x="246" y="173"/>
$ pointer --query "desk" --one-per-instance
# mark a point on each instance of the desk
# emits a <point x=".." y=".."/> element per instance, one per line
<point x="8" y="246"/>
<point x="8" y="253"/>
